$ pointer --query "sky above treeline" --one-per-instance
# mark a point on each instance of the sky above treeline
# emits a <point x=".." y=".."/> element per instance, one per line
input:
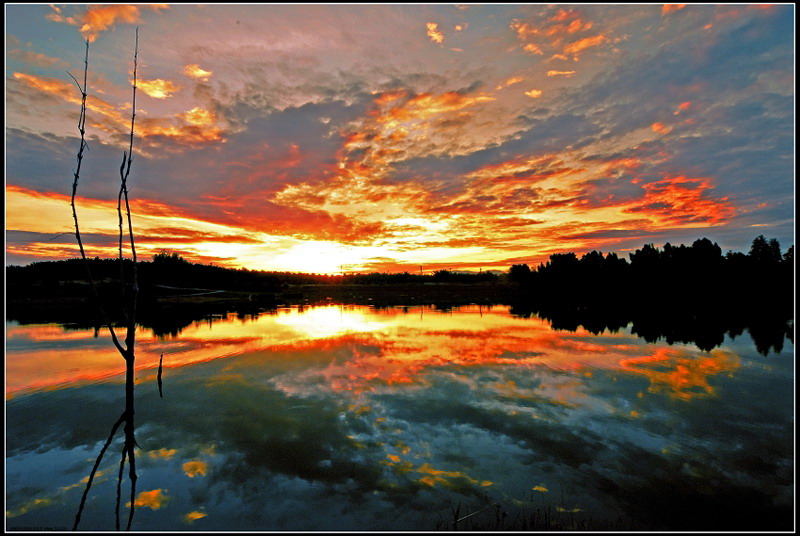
<point x="392" y="137"/>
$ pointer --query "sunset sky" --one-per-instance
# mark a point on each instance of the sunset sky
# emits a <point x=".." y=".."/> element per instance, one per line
<point x="389" y="137"/>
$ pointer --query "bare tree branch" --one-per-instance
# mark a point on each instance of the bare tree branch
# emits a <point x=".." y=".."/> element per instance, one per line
<point x="83" y="144"/>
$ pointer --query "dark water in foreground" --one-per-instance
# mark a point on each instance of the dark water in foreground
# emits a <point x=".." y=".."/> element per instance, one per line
<point x="353" y="418"/>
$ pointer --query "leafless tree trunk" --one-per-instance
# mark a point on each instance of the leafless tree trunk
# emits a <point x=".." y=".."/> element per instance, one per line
<point x="128" y="302"/>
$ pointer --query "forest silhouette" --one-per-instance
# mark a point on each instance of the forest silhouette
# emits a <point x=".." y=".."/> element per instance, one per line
<point x="677" y="293"/>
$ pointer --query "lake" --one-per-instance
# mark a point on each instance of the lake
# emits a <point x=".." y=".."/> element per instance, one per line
<point x="344" y="417"/>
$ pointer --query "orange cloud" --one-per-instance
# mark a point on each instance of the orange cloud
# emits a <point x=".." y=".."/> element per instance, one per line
<point x="390" y="96"/>
<point x="682" y="107"/>
<point x="583" y="44"/>
<point x="402" y="126"/>
<point x="510" y="82"/>
<point x="70" y="93"/>
<point x="50" y="85"/>
<point x="198" y="117"/>
<point x="670" y="8"/>
<point x="660" y="128"/>
<point x="97" y="19"/>
<point x="193" y="127"/>
<point x="552" y="33"/>
<point x="578" y="25"/>
<point x="194" y="71"/>
<point x="434" y="33"/>
<point x="680" y="202"/>
<point x="568" y="74"/>
<point x="563" y="15"/>
<point x="36" y="59"/>
<point x="523" y="29"/>
<point x="534" y="93"/>
<point x="158" y="88"/>
<point x="427" y="104"/>
<point x="533" y="49"/>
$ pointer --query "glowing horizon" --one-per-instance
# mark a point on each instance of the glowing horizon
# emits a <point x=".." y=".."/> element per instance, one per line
<point x="385" y="138"/>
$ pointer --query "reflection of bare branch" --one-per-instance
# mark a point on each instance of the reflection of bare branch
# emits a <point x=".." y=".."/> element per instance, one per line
<point x="130" y="445"/>
<point x="94" y="469"/>
<point x="119" y="484"/>
<point x="160" y="391"/>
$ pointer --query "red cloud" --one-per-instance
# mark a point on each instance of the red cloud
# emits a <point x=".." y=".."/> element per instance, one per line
<point x="681" y="202"/>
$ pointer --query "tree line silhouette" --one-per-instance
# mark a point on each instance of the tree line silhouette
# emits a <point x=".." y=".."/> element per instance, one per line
<point x="678" y="293"/>
<point x="170" y="268"/>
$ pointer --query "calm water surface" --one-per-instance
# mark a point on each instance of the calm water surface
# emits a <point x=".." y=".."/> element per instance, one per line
<point x="353" y="418"/>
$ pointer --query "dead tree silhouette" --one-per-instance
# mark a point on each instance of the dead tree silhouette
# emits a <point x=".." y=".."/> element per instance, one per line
<point x="128" y="301"/>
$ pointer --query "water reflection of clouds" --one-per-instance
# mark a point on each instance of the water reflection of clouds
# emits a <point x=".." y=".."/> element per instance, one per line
<point x="154" y="499"/>
<point x="386" y="348"/>
<point x="682" y="374"/>
<point x="195" y="468"/>
<point x="407" y="414"/>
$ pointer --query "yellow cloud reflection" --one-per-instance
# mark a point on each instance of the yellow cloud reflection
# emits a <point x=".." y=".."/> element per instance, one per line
<point x="449" y="479"/>
<point x="681" y="374"/>
<point x="195" y="468"/>
<point x="56" y="498"/>
<point x="83" y="481"/>
<point x="191" y="517"/>
<point x="153" y="499"/>
<point x="28" y="506"/>
<point x="164" y="454"/>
